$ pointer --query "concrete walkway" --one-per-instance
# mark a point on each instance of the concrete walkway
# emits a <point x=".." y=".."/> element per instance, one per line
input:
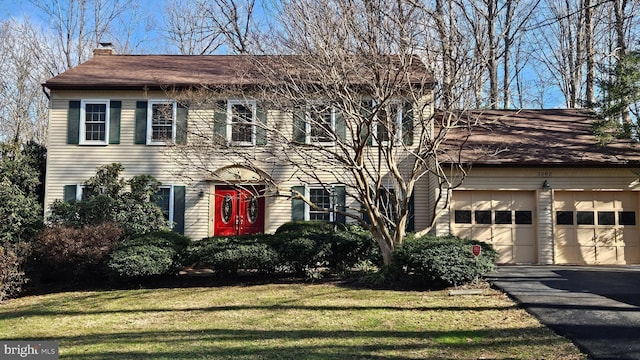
<point x="597" y="307"/>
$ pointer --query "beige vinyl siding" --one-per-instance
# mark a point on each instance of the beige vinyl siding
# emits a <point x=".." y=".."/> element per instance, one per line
<point x="72" y="164"/>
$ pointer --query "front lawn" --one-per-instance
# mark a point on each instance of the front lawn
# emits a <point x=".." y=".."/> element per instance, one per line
<point x="281" y="321"/>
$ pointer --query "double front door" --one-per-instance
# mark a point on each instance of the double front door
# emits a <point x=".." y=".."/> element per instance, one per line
<point x="238" y="210"/>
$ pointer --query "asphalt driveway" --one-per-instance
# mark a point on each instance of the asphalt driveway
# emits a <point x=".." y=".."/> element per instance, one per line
<point x="597" y="307"/>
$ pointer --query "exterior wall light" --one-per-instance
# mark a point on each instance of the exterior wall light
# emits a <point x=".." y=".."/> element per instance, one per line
<point x="546" y="185"/>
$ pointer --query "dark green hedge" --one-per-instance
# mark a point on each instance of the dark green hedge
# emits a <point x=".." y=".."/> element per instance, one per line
<point x="295" y="247"/>
<point x="157" y="253"/>
<point x="445" y="260"/>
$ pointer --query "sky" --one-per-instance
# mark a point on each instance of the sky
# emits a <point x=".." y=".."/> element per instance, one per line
<point x="151" y="41"/>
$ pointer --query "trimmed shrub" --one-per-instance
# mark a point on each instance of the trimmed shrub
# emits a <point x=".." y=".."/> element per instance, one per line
<point x="77" y="252"/>
<point x="141" y="260"/>
<point x="300" y="253"/>
<point x="230" y="254"/>
<point x="157" y="253"/>
<point x="352" y="246"/>
<point x="12" y="276"/>
<point x="445" y="260"/>
<point x="306" y="244"/>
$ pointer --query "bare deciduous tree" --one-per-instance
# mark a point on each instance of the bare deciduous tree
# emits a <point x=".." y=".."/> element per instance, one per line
<point x="351" y="109"/>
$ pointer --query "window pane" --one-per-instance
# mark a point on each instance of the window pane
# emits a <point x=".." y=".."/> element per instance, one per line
<point x="387" y="121"/>
<point x="241" y="123"/>
<point x="161" y="122"/>
<point x="524" y="218"/>
<point x="627" y="218"/>
<point x="585" y="218"/>
<point x="462" y="216"/>
<point x="564" y="217"/>
<point x="606" y="218"/>
<point x="162" y="198"/>
<point x="503" y="217"/>
<point x="95" y="124"/>
<point x="322" y="199"/>
<point x="320" y="123"/>
<point x="483" y="216"/>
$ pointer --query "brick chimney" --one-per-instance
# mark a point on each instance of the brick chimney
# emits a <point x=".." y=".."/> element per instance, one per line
<point x="106" y="48"/>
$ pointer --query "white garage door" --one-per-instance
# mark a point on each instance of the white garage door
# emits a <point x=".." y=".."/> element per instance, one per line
<point x="505" y="219"/>
<point x="596" y="227"/>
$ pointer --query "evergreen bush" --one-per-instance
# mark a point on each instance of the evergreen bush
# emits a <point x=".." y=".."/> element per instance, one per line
<point x="446" y="260"/>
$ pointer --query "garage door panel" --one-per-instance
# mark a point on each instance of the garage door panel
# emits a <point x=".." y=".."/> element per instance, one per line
<point x="604" y="200"/>
<point x="483" y="234"/>
<point x="609" y="236"/>
<point x="524" y="237"/>
<point x="506" y="233"/>
<point x="504" y="252"/>
<point x="502" y="235"/>
<point x="525" y="254"/>
<point x="606" y="255"/>
<point x="566" y="237"/>
<point x="605" y="237"/>
<point x="567" y="255"/>
<point x="502" y="201"/>
<point x="587" y="255"/>
<point x="583" y="200"/>
<point x="630" y="254"/>
<point x="586" y="236"/>
<point x="463" y="232"/>
<point x="628" y="237"/>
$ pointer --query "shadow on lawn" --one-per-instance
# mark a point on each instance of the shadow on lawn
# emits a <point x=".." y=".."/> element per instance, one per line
<point x="297" y="344"/>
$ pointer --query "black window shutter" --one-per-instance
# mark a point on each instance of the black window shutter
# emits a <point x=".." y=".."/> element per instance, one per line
<point x="179" y="193"/>
<point x="261" y="125"/>
<point x="70" y="193"/>
<point x="410" y="216"/>
<point x="141" y="123"/>
<point x="115" y="108"/>
<point x="220" y="120"/>
<point x="299" y="125"/>
<point x="73" y="122"/>
<point x="182" y="115"/>
<point x="341" y="127"/>
<point x="341" y="201"/>
<point x="366" y="114"/>
<point x="297" y="205"/>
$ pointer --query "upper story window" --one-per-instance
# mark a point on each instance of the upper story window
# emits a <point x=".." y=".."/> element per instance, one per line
<point x="161" y="122"/>
<point x="320" y="123"/>
<point x="388" y="123"/>
<point x="241" y="122"/>
<point x="94" y="122"/>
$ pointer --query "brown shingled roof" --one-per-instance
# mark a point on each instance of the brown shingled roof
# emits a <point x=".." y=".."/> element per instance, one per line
<point x="156" y="71"/>
<point x="559" y="137"/>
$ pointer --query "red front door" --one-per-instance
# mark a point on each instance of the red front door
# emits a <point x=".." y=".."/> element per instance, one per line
<point x="238" y="210"/>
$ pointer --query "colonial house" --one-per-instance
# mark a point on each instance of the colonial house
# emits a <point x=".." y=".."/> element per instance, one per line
<point x="537" y="185"/>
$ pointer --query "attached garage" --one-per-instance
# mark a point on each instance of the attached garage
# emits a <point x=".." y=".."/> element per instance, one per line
<point x="504" y="219"/>
<point x="596" y="227"/>
<point x="537" y="186"/>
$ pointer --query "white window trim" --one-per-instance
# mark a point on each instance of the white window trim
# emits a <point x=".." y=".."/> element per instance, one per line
<point x="229" y="131"/>
<point x="398" y="139"/>
<point x="79" y="190"/>
<point x="174" y="114"/>
<point x="307" y="207"/>
<point x="171" y="203"/>
<point x="307" y="124"/>
<point x="83" y="117"/>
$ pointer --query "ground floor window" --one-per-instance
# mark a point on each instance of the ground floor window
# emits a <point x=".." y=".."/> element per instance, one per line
<point x="321" y="198"/>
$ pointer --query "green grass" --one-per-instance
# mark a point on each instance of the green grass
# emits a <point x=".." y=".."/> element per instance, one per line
<point x="281" y="321"/>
